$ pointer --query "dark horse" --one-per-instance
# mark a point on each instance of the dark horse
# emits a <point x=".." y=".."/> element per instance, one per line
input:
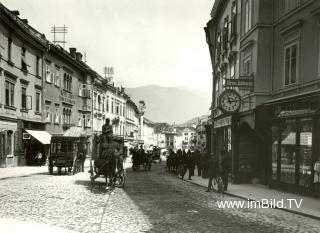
<point x="108" y="163"/>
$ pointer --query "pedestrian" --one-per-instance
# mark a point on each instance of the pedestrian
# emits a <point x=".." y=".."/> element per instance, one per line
<point x="39" y="158"/>
<point x="190" y="164"/>
<point x="204" y="164"/>
<point x="225" y="165"/>
<point x="198" y="161"/>
<point x="212" y="170"/>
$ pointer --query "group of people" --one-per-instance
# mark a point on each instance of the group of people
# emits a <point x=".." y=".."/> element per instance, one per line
<point x="140" y="156"/>
<point x="208" y="165"/>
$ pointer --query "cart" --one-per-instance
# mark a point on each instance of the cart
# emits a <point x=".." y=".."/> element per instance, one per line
<point x="107" y="161"/>
<point x="65" y="152"/>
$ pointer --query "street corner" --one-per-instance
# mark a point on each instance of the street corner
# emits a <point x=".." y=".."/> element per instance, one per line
<point x="18" y="226"/>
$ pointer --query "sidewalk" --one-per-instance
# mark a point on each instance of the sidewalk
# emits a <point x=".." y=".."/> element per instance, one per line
<point x="310" y="207"/>
<point x="12" y="172"/>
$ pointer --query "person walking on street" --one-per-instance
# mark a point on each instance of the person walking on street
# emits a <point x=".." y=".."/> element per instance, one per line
<point x="225" y="165"/>
<point x="190" y="164"/>
<point x="39" y="158"/>
<point x="212" y="170"/>
<point x="184" y="164"/>
<point x="197" y="159"/>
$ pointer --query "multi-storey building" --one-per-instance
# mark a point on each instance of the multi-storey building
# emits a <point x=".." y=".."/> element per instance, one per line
<point x="132" y="121"/>
<point x="21" y="57"/>
<point x="272" y="136"/>
<point x="67" y="96"/>
<point x="108" y="102"/>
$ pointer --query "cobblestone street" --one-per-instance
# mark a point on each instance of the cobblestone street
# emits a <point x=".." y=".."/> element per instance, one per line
<point x="150" y="202"/>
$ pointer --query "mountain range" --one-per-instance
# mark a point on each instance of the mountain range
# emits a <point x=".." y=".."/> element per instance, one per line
<point x="171" y="104"/>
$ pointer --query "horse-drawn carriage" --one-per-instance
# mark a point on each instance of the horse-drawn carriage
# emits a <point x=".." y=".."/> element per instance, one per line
<point x="67" y="152"/>
<point x="107" y="157"/>
<point x="141" y="158"/>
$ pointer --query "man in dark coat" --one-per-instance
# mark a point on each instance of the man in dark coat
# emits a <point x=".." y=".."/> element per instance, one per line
<point x="212" y="170"/>
<point x="225" y="165"/>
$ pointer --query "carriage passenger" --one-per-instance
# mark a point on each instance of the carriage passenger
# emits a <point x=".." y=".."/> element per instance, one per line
<point x="107" y="131"/>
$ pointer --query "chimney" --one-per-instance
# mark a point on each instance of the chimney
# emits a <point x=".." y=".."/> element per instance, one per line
<point x="73" y="52"/>
<point x="15" y="12"/>
<point x="78" y="56"/>
<point x="25" y="21"/>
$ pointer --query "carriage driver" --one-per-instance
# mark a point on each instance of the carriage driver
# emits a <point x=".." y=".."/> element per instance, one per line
<point x="107" y="131"/>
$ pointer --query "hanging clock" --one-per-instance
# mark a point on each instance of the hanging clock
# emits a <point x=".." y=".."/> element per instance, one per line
<point x="229" y="101"/>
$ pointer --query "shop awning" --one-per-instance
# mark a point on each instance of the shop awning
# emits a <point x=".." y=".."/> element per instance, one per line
<point x="42" y="136"/>
<point x="75" y="132"/>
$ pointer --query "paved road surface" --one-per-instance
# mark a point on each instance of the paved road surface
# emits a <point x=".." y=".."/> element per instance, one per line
<point x="150" y="202"/>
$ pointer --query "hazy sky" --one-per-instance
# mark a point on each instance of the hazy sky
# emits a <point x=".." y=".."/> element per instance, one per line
<point x="147" y="41"/>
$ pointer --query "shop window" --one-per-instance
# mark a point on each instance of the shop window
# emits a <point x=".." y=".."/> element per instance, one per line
<point x="288" y="152"/>
<point x="9" y="143"/>
<point x="291" y="64"/>
<point x="305" y="153"/>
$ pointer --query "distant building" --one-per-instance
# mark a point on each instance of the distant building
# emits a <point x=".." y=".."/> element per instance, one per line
<point x="132" y="122"/>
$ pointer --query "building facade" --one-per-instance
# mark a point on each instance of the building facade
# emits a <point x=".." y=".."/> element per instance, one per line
<point x="21" y="58"/>
<point x="131" y="122"/>
<point x="49" y="91"/>
<point x="272" y="135"/>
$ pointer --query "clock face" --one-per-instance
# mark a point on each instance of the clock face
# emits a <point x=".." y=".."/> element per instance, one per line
<point x="229" y="101"/>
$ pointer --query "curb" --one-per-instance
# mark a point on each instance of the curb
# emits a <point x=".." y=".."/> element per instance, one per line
<point x="250" y="199"/>
<point x="27" y="175"/>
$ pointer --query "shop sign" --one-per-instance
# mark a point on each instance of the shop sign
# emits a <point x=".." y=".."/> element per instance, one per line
<point x="241" y="83"/>
<point x="222" y="122"/>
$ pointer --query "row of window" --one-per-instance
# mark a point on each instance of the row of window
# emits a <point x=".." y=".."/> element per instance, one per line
<point x="24" y="62"/>
<point x="55" y="77"/>
<point x="58" y="118"/>
<point x="26" y="100"/>
<point x="84" y="120"/>
<point x="103" y="104"/>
